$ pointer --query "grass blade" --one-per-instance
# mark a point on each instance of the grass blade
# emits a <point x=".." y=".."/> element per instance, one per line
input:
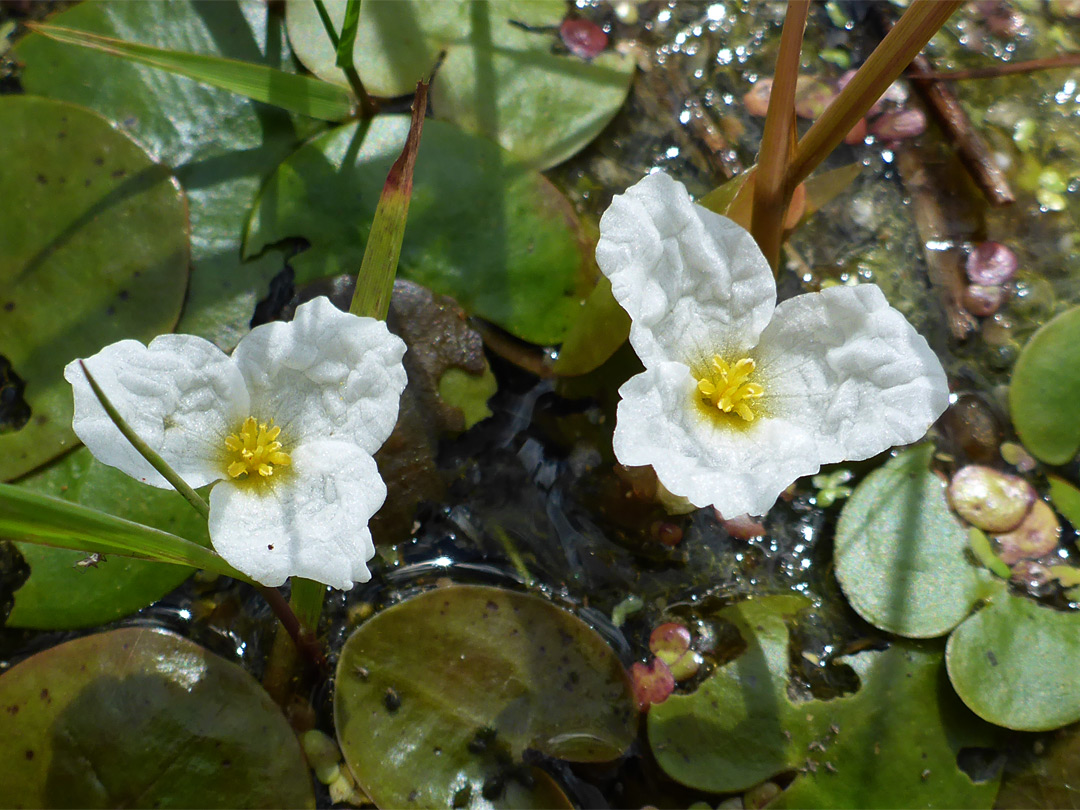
<point x="375" y="282"/>
<point x="299" y="94"/>
<point x="36" y="518"/>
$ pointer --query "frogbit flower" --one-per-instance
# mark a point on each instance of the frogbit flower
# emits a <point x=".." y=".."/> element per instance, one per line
<point x="739" y="396"/>
<point x="286" y="426"/>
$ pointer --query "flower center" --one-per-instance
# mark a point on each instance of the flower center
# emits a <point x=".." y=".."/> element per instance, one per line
<point x="725" y="387"/>
<point x="255" y="449"/>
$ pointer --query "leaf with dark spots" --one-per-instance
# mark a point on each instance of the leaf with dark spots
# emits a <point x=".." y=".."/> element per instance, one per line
<point x="475" y="694"/>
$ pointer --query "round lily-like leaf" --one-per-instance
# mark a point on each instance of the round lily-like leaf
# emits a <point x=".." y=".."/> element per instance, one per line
<point x="495" y="236"/>
<point x="1044" y="390"/>
<point x="893" y="743"/>
<point x="900" y="553"/>
<point x="504" y="75"/>
<point x="95" y="249"/>
<point x="438" y="697"/>
<point x="140" y="717"/>
<point x="221" y="145"/>
<point x="1014" y="663"/>
<point x="66" y="589"/>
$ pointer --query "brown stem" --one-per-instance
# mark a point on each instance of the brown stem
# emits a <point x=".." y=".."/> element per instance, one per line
<point x="771" y="193"/>
<point x="303" y="638"/>
<point x="993" y="71"/>
<point x="910" y="34"/>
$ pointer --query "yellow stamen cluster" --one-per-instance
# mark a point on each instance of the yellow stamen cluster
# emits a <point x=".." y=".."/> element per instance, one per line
<point x="256" y="449"/>
<point x="726" y="387"/>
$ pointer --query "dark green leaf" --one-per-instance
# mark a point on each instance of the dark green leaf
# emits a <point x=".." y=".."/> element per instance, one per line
<point x="504" y="74"/>
<point x="300" y="94"/>
<point x="495" y="236"/>
<point x="141" y="717"/>
<point x="95" y="249"/>
<point x="221" y="145"/>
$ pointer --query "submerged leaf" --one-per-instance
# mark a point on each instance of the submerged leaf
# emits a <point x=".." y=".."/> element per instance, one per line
<point x="444" y="718"/>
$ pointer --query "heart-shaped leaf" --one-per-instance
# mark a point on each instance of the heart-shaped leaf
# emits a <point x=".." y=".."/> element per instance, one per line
<point x="891" y="744"/>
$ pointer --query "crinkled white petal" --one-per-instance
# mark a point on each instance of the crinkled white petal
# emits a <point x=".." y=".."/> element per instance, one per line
<point x="737" y="470"/>
<point x="852" y="371"/>
<point x="311" y="522"/>
<point x="326" y="374"/>
<point x="694" y="283"/>
<point x="181" y="395"/>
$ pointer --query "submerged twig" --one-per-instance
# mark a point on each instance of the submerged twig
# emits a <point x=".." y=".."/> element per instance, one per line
<point x="1001" y="69"/>
<point x="943" y="261"/>
<point x="972" y="147"/>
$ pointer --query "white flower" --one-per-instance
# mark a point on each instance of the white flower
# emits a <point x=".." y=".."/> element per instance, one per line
<point x="287" y="427"/>
<point x="739" y="396"/>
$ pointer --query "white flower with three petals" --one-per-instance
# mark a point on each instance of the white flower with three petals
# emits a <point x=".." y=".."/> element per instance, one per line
<point x="286" y="426"/>
<point x="739" y="396"/>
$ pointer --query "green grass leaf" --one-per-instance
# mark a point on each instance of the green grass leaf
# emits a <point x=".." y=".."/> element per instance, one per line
<point x="300" y="94"/>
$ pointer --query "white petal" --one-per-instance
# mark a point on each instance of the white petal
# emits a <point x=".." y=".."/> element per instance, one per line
<point x="325" y="374"/>
<point x="181" y="395"/>
<point x="694" y="283"/>
<point x="311" y="522"/>
<point x="736" y="469"/>
<point x="852" y="371"/>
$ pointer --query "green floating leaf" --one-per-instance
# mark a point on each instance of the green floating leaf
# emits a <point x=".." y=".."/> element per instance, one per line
<point x="497" y="237"/>
<point x="60" y="595"/>
<point x="141" y="717"/>
<point x="503" y="75"/>
<point x="443" y="719"/>
<point x="95" y="250"/>
<point x="1014" y="663"/>
<point x="300" y="94"/>
<point x="221" y="145"/>
<point x="1045" y="389"/>
<point x="1066" y="499"/>
<point x="891" y="744"/>
<point x="900" y="553"/>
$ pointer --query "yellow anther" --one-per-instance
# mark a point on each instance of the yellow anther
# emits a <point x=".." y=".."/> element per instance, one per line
<point x="255" y="449"/>
<point x="726" y="387"/>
